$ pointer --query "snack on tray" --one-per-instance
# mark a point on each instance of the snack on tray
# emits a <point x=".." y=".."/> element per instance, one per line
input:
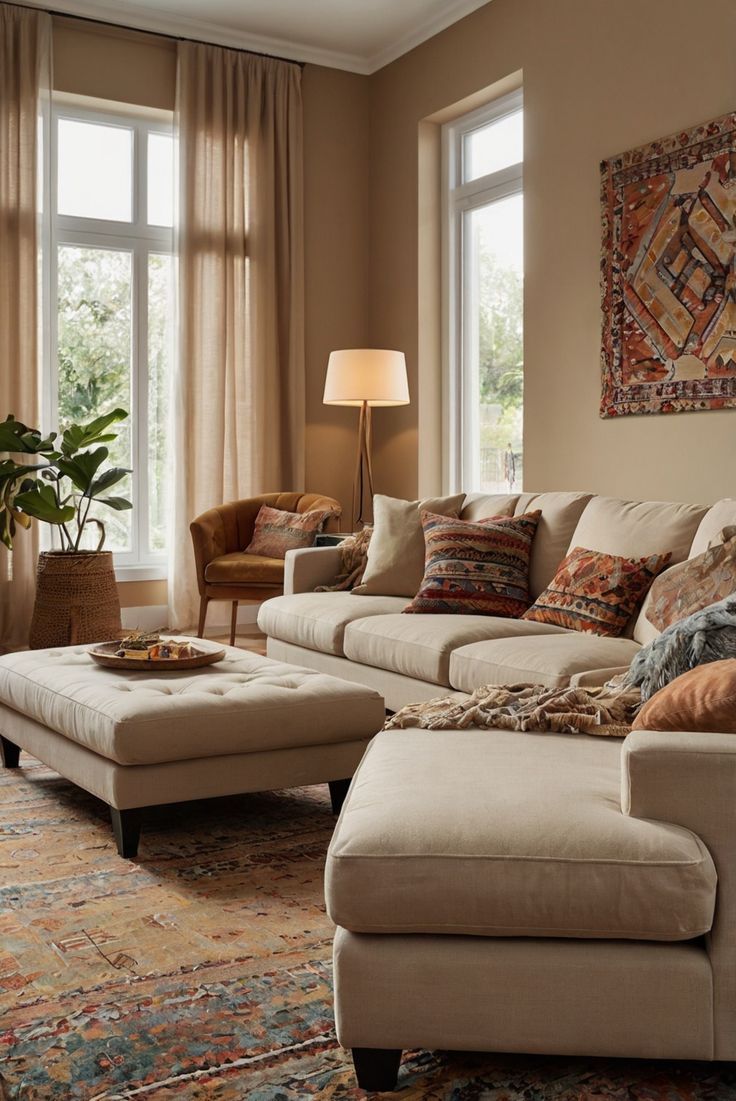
<point x="143" y="646"/>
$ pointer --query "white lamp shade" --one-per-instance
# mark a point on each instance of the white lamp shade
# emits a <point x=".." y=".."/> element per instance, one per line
<point x="373" y="375"/>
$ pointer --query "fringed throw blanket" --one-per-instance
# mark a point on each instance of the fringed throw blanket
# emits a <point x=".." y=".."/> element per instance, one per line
<point x="354" y="557"/>
<point x="606" y="711"/>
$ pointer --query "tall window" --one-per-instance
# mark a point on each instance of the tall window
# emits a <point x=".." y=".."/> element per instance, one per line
<point x="484" y="272"/>
<point x="110" y="280"/>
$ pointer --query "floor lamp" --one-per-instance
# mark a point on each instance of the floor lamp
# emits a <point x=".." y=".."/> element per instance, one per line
<point x="365" y="377"/>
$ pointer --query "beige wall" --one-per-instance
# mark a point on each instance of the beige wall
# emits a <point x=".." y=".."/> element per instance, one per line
<point x="336" y="188"/>
<point x="600" y="76"/>
<point x="90" y="60"/>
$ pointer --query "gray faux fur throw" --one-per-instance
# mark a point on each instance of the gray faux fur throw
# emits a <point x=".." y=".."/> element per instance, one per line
<point x="707" y="635"/>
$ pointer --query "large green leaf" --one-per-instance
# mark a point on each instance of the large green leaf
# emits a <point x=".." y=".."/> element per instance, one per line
<point x="78" y="436"/>
<point x="118" y="503"/>
<point x="18" y="438"/>
<point x="107" y="480"/>
<point x="82" y="469"/>
<point x="40" y="503"/>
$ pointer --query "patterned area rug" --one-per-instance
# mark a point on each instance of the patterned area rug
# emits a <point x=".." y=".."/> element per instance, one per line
<point x="201" y="972"/>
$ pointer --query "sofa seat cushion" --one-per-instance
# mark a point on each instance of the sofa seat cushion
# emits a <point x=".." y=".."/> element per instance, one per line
<point x="239" y="567"/>
<point x="244" y="703"/>
<point x="318" y="620"/>
<point x="498" y="833"/>
<point x="421" y="646"/>
<point x="551" y="660"/>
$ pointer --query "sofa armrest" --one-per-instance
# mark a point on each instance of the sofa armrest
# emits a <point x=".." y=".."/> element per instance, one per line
<point x="689" y="779"/>
<point x="309" y="567"/>
<point x="685" y="778"/>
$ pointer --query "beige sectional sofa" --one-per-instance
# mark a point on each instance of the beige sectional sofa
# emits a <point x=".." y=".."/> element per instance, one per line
<point x="414" y="657"/>
<point x="537" y="893"/>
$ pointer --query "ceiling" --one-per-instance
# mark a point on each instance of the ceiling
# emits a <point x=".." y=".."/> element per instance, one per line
<point x="358" y="35"/>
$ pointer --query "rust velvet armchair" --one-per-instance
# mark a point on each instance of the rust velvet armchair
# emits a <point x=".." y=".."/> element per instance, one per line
<point x="224" y="570"/>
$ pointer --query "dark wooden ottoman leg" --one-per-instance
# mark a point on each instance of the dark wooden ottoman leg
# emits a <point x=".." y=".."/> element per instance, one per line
<point x="11" y="753"/>
<point x="338" y="791"/>
<point x="126" y="825"/>
<point x="376" y="1068"/>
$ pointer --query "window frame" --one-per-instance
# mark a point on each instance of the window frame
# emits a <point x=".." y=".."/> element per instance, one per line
<point x="140" y="240"/>
<point x="459" y="198"/>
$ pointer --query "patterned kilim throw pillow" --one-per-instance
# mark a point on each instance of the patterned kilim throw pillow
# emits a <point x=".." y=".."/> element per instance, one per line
<point x="596" y="593"/>
<point x="692" y="585"/>
<point x="277" y="531"/>
<point x="476" y="568"/>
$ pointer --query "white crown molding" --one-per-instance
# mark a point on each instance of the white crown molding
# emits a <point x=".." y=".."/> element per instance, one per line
<point x="452" y="12"/>
<point x="137" y="17"/>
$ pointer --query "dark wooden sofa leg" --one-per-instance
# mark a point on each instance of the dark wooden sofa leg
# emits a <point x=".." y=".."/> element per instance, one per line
<point x="126" y="825"/>
<point x="11" y="753"/>
<point x="376" y="1068"/>
<point x="338" y="791"/>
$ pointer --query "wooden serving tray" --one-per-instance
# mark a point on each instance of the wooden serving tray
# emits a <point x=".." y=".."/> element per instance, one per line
<point x="104" y="654"/>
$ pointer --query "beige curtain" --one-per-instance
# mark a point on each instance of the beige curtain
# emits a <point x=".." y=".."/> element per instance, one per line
<point x="25" y="82"/>
<point x="239" y="386"/>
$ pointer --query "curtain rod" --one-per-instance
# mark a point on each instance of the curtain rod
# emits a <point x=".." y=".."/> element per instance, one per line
<point x="155" y="34"/>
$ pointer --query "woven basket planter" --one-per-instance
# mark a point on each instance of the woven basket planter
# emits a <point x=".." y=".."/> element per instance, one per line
<point x="76" y="599"/>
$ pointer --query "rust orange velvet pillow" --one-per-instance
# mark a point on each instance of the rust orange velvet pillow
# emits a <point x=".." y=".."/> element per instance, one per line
<point x="277" y="531"/>
<point x="596" y="593"/>
<point x="703" y="699"/>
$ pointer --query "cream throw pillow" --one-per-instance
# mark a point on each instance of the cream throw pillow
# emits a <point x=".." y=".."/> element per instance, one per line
<point x="396" y="551"/>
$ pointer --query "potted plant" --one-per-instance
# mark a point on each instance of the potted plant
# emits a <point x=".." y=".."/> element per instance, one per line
<point x="56" y="481"/>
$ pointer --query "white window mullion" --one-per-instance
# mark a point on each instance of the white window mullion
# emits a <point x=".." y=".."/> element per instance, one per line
<point x="463" y="196"/>
<point x="140" y="404"/>
<point x="138" y="240"/>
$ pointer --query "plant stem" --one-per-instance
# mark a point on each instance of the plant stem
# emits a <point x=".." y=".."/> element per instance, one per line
<point x="80" y="522"/>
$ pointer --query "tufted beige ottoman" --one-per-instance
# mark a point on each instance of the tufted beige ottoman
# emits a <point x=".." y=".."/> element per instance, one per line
<point x="141" y="738"/>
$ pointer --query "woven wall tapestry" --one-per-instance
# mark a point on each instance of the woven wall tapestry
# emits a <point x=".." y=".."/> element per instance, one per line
<point x="668" y="273"/>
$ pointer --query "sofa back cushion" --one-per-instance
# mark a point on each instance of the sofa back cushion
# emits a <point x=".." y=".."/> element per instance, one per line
<point x="395" y="564"/>
<point x="479" y="506"/>
<point x="560" y="515"/>
<point x="719" y="516"/>
<point x="637" y="529"/>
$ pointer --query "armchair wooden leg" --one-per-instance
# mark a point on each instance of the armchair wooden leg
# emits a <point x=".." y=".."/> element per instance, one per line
<point x="202" y="615"/>
<point x="233" y="622"/>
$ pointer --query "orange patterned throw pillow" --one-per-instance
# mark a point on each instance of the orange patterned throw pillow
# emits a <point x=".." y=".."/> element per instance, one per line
<point x="277" y="531"/>
<point x="596" y="593"/>
<point x="476" y="568"/>
<point x="692" y="585"/>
